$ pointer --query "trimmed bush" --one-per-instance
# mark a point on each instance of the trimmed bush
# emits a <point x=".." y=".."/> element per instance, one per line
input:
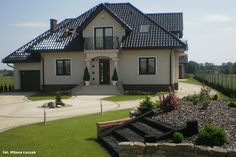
<point x="232" y="104"/>
<point x="215" y="97"/>
<point x="86" y="76"/>
<point x="146" y="105"/>
<point x="5" y="88"/>
<point x="178" y="137"/>
<point x="114" y="76"/>
<point x="58" y="100"/>
<point x="211" y="135"/>
<point x="1" y="88"/>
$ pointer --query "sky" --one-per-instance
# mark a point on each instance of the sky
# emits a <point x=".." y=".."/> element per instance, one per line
<point x="209" y="25"/>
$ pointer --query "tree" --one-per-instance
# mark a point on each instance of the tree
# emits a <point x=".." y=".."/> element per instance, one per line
<point x="86" y="75"/>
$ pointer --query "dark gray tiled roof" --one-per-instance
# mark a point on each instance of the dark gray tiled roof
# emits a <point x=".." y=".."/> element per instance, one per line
<point x="129" y="17"/>
<point x="173" y="22"/>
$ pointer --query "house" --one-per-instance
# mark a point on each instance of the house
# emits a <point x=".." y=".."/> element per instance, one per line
<point x="143" y="48"/>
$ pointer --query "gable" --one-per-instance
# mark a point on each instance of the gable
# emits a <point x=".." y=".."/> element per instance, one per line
<point x="104" y="19"/>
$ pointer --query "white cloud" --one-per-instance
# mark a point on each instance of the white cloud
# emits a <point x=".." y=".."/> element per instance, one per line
<point x="30" y="25"/>
<point x="218" y="18"/>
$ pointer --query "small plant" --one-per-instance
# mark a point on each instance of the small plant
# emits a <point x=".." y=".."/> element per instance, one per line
<point x="178" y="137"/>
<point x="170" y="102"/>
<point x="58" y="100"/>
<point x="1" y="88"/>
<point x="211" y="135"/>
<point x="114" y="76"/>
<point x="5" y="88"/>
<point x="232" y="104"/>
<point x="146" y="105"/>
<point x="86" y="74"/>
<point x="215" y="97"/>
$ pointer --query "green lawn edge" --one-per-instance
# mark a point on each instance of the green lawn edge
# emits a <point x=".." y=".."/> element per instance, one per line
<point x="48" y="96"/>
<point x="66" y="137"/>
<point x="117" y="98"/>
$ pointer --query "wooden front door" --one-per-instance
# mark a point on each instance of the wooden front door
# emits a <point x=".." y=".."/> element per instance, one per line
<point x="104" y="71"/>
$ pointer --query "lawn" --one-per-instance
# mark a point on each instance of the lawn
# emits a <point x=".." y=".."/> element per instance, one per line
<point x="73" y="137"/>
<point x="48" y="96"/>
<point x="192" y="81"/>
<point x="130" y="97"/>
<point x="6" y="80"/>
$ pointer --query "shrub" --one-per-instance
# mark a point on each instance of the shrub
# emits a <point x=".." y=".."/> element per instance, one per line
<point x="170" y="102"/>
<point x="86" y="74"/>
<point x="58" y="100"/>
<point x="51" y="105"/>
<point x="114" y="76"/>
<point x="146" y="105"/>
<point x="232" y="104"/>
<point x="1" y="88"/>
<point x="178" y="137"/>
<point x="5" y="88"/>
<point x="215" y="97"/>
<point x="211" y="135"/>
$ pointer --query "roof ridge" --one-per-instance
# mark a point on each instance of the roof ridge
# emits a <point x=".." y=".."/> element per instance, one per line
<point x="157" y="24"/>
<point x="164" y="13"/>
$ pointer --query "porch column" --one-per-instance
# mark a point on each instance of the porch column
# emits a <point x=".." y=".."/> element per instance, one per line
<point x="115" y="61"/>
<point x="88" y="63"/>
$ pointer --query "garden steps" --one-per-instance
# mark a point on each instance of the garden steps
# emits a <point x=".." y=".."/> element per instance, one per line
<point x="96" y="90"/>
<point x="156" y="124"/>
<point x="145" y="129"/>
<point x="127" y="134"/>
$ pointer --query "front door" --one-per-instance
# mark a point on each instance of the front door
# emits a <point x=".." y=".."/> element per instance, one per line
<point x="104" y="71"/>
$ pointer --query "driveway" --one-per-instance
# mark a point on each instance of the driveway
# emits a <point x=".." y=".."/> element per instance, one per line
<point x="16" y="110"/>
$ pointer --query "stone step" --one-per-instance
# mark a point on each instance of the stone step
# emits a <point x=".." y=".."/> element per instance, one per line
<point x="111" y="143"/>
<point x="145" y="129"/>
<point x="96" y="90"/>
<point x="127" y="134"/>
<point x="157" y="124"/>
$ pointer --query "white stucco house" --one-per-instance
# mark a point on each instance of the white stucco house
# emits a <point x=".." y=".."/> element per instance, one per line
<point x="144" y="49"/>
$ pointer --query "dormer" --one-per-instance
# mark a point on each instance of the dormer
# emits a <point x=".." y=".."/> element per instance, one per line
<point x="103" y="30"/>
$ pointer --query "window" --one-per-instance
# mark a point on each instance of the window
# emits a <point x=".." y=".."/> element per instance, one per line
<point x="147" y="65"/>
<point x="103" y="37"/>
<point x="144" y="28"/>
<point x="63" y="67"/>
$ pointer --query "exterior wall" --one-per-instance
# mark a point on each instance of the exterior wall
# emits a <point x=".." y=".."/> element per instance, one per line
<point x="24" y="66"/>
<point x="137" y="149"/>
<point x="77" y="68"/>
<point x="103" y="19"/>
<point x="128" y="67"/>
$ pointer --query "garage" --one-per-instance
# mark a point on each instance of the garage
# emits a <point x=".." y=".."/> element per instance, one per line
<point x="30" y="80"/>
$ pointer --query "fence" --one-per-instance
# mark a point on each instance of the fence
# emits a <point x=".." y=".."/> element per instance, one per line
<point x="227" y="81"/>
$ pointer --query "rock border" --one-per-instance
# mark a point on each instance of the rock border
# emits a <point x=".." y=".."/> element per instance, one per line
<point x="137" y="149"/>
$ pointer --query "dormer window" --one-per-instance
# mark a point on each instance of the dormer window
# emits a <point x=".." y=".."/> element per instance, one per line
<point x="144" y="28"/>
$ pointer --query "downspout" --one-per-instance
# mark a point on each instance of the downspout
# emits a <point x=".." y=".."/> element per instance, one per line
<point x="171" y="68"/>
<point x="42" y="59"/>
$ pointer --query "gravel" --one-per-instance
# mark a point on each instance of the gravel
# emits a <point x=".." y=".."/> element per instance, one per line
<point x="218" y="113"/>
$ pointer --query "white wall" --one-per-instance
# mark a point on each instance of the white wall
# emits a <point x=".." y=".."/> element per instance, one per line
<point x="128" y="67"/>
<point x="77" y="68"/>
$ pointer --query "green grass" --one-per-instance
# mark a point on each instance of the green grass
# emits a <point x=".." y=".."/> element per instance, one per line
<point x="48" y="96"/>
<point x="6" y="80"/>
<point x="129" y="97"/>
<point x="192" y="81"/>
<point x="73" y="137"/>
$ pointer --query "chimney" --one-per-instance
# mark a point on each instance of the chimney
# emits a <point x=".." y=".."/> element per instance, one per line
<point x="53" y="25"/>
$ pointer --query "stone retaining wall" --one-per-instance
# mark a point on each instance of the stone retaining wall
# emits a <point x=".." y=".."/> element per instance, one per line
<point x="138" y="149"/>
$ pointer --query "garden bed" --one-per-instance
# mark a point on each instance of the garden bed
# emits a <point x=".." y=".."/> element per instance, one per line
<point x="217" y="113"/>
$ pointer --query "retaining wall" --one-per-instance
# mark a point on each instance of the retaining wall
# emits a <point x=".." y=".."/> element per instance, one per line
<point x="138" y="149"/>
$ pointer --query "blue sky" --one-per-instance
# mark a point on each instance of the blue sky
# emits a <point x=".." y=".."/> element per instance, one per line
<point x="209" y="25"/>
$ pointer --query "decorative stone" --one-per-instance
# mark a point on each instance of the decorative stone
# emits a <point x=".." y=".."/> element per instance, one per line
<point x="218" y="152"/>
<point x="231" y="153"/>
<point x="202" y="150"/>
<point x="139" y="147"/>
<point x="187" y="147"/>
<point x="125" y="146"/>
<point x="150" y="147"/>
<point x="166" y="146"/>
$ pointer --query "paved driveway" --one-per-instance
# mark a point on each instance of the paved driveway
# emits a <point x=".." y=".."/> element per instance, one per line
<point x="16" y="110"/>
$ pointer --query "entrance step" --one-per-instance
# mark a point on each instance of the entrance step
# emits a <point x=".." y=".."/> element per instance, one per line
<point x="96" y="90"/>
